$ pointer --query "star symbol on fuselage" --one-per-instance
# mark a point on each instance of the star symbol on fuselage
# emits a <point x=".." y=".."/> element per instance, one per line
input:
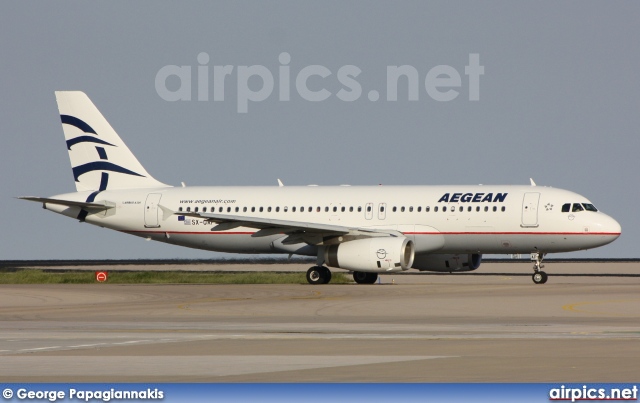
<point x="548" y="206"/>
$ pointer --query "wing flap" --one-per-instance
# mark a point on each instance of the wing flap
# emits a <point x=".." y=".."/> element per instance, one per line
<point x="296" y="231"/>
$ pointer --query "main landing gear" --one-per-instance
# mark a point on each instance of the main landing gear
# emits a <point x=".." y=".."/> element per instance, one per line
<point x="539" y="277"/>
<point x="318" y="275"/>
<point x="364" y="278"/>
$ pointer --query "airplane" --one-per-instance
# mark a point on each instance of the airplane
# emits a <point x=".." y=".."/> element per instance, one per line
<point x="366" y="230"/>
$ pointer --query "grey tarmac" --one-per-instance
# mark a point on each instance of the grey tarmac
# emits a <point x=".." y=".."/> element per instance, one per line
<point x="492" y="325"/>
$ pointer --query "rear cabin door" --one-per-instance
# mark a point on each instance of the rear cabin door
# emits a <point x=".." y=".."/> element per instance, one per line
<point x="151" y="210"/>
<point x="530" y="209"/>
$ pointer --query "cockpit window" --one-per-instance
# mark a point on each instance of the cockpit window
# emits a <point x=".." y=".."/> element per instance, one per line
<point x="577" y="207"/>
<point x="566" y="207"/>
<point x="589" y="207"/>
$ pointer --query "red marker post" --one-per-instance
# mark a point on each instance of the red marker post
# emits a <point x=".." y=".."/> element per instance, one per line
<point x="101" y="276"/>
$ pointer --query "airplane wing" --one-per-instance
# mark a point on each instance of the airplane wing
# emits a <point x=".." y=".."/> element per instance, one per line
<point x="298" y="231"/>
<point x="69" y="203"/>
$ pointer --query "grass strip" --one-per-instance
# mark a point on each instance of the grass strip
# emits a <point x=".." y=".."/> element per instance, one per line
<point x="32" y="276"/>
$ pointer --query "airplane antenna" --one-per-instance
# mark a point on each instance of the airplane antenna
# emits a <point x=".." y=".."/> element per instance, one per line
<point x="184" y="185"/>
<point x="280" y="184"/>
<point x="532" y="182"/>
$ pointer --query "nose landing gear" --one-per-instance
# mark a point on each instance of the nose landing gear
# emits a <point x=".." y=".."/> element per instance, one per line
<point x="539" y="276"/>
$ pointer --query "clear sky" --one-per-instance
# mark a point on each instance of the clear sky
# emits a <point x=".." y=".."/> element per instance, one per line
<point x="558" y="101"/>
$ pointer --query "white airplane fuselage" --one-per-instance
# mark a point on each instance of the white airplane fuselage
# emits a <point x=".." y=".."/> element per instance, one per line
<point x="523" y="219"/>
<point x="364" y="229"/>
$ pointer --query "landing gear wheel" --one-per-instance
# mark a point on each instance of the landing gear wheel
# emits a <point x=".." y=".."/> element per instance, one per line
<point x="326" y="275"/>
<point x="539" y="277"/>
<point x="318" y="275"/>
<point x="364" y="278"/>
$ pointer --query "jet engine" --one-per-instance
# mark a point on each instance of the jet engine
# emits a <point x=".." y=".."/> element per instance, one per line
<point x="447" y="263"/>
<point x="377" y="255"/>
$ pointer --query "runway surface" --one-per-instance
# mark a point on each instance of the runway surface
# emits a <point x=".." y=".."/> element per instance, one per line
<point x="493" y="325"/>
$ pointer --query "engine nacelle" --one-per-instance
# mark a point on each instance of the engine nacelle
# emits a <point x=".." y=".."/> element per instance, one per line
<point x="378" y="255"/>
<point x="447" y="263"/>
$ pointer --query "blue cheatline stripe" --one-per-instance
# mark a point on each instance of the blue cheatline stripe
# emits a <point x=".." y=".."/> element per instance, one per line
<point x="80" y="124"/>
<point x="85" y="139"/>
<point x="101" y="166"/>
<point x="102" y="153"/>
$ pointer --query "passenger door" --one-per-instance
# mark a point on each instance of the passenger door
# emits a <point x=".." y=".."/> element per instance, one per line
<point x="151" y="210"/>
<point x="530" y="209"/>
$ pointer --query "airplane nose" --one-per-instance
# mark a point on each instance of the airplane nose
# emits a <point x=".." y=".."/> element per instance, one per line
<point x="614" y="227"/>
<point x="610" y="228"/>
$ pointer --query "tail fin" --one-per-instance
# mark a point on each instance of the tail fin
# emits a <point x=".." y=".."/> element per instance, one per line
<point x="99" y="158"/>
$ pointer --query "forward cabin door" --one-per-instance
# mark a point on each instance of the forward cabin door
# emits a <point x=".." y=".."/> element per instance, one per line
<point x="151" y="210"/>
<point x="530" y="209"/>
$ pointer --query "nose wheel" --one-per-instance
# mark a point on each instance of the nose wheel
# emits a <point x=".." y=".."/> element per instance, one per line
<point x="539" y="277"/>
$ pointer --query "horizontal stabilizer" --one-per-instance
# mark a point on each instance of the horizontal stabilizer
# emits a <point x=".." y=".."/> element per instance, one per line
<point x="69" y="203"/>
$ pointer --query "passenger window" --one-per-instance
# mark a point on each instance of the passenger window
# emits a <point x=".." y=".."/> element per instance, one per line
<point x="395" y="209"/>
<point x="576" y="207"/>
<point x="469" y="208"/>
<point x="195" y="210"/>
<point x="179" y="208"/>
<point x="486" y="208"/>
<point x="368" y="209"/>
<point x="435" y="209"/>
<point x="244" y="209"/>
<point x="382" y="209"/>
<point x="228" y="209"/>
<point x="342" y="209"/>
<point x="326" y="209"/>
<point x="293" y="209"/>
<point x="269" y="209"/>
<point x="444" y="208"/>
<point x="426" y="209"/>
<point x="495" y="208"/>
<point x="419" y="209"/>
<point x="188" y="209"/>
<point x="477" y="208"/>
<point x="359" y="209"/>
<point x="204" y="209"/>
<point x="402" y="209"/>
<point x="411" y="209"/>
<point x="351" y="209"/>
<point x="277" y="209"/>
<point x="461" y="209"/>
<point x="318" y="209"/>
<point x="503" y="208"/>
<point x="335" y="209"/>
<point x="237" y="209"/>
<point x="261" y="209"/>
<point x="253" y="209"/>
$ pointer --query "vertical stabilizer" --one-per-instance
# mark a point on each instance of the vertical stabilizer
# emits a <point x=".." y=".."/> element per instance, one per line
<point x="100" y="160"/>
